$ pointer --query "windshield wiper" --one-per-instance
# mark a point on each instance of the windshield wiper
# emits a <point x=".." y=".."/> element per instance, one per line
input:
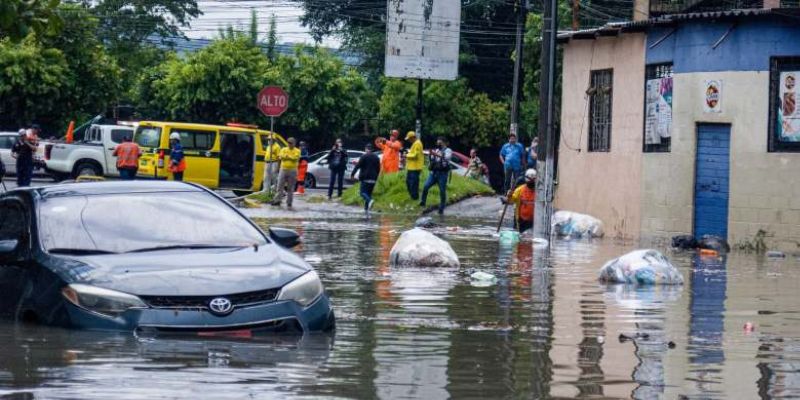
<point x="186" y="246"/>
<point x="65" y="250"/>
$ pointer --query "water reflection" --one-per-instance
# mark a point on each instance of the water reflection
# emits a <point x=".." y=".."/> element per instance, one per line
<point x="546" y="329"/>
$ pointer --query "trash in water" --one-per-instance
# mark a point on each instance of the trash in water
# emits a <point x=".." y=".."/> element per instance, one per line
<point x="708" y="252"/>
<point x="509" y="237"/>
<point x="422" y="248"/>
<point x="749" y="327"/>
<point x="483" y="276"/>
<point x="641" y="267"/>
<point x="425" y="222"/>
<point x="684" y="242"/>
<point x="776" y="254"/>
<point x="572" y="224"/>
<point x="601" y="339"/>
<point x="540" y="242"/>
<point x="713" y="242"/>
<point x="671" y="345"/>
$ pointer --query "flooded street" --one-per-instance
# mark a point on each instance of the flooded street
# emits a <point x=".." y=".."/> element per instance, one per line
<point x="546" y="329"/>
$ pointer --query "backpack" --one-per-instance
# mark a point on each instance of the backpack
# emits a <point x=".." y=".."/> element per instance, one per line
<point x="439" y="163"/>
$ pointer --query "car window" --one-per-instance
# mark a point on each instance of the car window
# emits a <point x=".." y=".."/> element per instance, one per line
<point x="354" y="154"/>
<point x="147" y="136"/>
<point x="118" y="134"/>
<point x="265" y="142"/>
<point x="12" y="220"/>
<point x="6" y="142"/>
<point x="95" y="223"/>
<point x="196" y="139"/>
<point x="316" y="156"/>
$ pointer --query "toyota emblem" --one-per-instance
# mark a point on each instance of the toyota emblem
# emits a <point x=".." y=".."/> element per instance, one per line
<point x="220" y="306"/>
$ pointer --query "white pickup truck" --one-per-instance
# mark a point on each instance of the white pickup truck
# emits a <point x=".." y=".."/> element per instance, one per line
<point x="90" y="156"/>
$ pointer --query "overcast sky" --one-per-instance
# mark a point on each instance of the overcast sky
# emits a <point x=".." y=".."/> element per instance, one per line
<point x="219" y="14"/>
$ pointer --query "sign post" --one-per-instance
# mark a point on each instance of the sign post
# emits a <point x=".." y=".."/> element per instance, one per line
<point x="273" y="102"/>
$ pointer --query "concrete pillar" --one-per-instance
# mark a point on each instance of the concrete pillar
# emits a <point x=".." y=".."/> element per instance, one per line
<point x="641" y="9"/>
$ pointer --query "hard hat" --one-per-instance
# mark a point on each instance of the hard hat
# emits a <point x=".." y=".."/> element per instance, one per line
<point x="411" y="134"/>
<point x="174" y="136"/>
<point x="395" y="133"/>
<point x="530" y="174"/>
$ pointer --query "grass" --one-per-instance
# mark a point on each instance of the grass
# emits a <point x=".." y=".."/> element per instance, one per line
<point x="262" y="197"/>
<point x="390" y="193"/>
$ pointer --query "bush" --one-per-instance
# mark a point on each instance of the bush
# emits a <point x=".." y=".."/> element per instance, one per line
<point x="390" y="193"/>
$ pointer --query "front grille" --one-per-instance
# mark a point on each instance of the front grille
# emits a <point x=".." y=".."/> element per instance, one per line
<point x="195" y="302"/>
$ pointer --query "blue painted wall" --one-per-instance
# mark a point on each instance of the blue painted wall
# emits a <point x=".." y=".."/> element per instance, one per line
<point x="748" y="47"/>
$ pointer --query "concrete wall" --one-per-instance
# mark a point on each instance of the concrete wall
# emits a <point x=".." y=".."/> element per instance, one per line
<point x="605" y="185"/>
<point x="764" y="189"/>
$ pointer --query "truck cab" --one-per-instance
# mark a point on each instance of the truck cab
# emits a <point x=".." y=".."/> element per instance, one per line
<point x="91" y="155"/>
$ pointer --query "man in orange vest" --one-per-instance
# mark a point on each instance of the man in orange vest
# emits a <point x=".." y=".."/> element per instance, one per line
<point x="177" y="160"/>
<point x="127" y="154"/>
<point x="524" y="198"/>
<point x="390" y="163"/>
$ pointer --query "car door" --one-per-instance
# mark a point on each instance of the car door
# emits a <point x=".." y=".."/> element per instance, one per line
<point x="14" y="226"/>
<point x="202" y="163"/>
<point x="6" y="142"/>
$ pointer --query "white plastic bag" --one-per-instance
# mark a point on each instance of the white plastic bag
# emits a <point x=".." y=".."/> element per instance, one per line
<point x="421" y="248"/>
<point x="641" y="267"/>
<point x="577" y="225"/>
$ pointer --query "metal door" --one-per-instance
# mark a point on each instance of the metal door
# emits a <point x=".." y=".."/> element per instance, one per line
<point x="712" y="172"/>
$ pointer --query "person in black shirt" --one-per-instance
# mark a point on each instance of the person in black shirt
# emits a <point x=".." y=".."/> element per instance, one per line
<point x="23" y="151"/>
<point x="337" y="163"/>
<point x="369" y="166"/>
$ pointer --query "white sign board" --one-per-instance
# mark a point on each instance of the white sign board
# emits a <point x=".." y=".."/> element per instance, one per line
<point x="422" y="38"/>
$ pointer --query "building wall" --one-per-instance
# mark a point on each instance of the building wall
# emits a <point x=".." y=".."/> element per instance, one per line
<point x="764" y="189"/>
<point x="606" y="185"/>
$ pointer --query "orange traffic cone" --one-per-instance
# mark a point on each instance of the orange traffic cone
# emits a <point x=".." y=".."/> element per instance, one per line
<point x="70" y="132"/>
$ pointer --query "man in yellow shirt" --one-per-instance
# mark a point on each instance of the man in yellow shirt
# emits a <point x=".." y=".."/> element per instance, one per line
<point x="415" y="160"/>
<point x="287" y="177"/>
<point x="272" y="158"/>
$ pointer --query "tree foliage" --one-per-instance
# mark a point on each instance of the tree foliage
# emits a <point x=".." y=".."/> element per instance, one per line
<point x="19" y="18"/>
<point x="219" y="84"/>
<point x="452" y="110"/>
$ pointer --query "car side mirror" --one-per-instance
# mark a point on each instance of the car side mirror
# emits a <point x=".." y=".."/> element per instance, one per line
<point x="284" y="237"/>
<point x="8" y="248"/>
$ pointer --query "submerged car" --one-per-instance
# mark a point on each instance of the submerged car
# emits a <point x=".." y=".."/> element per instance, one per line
<point x="150" y="256"/>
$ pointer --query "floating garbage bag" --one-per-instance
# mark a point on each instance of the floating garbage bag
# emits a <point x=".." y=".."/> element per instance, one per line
<point x="572" y="224"/>
<point x="641" y="267"/>
<point x="422" y="248"/>
<point x="684" y="242"/>
<point x="509" y="237"/>
<point x="713" y="242"/>
<point x="425" y="222"/>
<point x="481" y="279"/>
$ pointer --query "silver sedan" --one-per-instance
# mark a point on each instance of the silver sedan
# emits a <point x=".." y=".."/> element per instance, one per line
<point x="318" y="173"/>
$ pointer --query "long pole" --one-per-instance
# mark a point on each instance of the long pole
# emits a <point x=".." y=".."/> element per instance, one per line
<point x="544" y="187"/>
<point x="522" y="12"/>
<point x="418" y="127"/>
<point x="268" y="160"/>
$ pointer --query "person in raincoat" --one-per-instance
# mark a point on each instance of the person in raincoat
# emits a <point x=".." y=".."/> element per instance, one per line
<point x="524" y="199"/>
<point x="390" y="163"/>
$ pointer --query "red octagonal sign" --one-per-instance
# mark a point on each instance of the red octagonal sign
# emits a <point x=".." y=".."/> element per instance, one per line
<point x="272" y="101"/>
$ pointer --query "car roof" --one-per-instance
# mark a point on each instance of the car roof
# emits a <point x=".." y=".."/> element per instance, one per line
<point x="111" y="187"/>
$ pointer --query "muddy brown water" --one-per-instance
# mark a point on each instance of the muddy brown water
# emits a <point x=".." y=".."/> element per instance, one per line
<point x="546" y="329"/>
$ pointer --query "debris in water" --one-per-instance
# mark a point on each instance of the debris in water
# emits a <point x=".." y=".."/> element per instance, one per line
<point x="483" y="276"/>
<point x="749" y="327"/>
<point x="776" y="254"/>
<point x="641" y="267"/>
<point x="601" y="339"/>
<point x="671" y="345"/>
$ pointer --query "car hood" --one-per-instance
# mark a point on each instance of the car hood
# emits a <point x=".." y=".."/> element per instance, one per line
<point x="206" y="272"/>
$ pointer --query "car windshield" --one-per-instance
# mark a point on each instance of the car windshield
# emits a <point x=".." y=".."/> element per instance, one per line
<point x="118" y="223"/>
<point x="317" y="156"/>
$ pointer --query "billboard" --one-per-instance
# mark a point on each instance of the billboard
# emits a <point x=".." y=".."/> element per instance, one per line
<point x="422" y="38"/>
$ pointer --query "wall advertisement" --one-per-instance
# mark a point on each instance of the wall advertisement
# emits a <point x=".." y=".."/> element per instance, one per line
<point x="712" y="96"/>
<point x="658" y="110"/>
<point x="788" y="113"/>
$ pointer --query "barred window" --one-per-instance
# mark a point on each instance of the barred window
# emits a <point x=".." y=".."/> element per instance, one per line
<point x="658" y="108"/>
<point x="600" y="95"/>
<point x="784" y="112"/>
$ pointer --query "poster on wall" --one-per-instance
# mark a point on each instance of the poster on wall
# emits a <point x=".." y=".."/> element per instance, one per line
<point x="658" y="110"/>
<point x="712" y="96"/>
<point x="788" y="112"/>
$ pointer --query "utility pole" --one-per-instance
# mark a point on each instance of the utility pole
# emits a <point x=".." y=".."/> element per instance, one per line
<point x="522" y="12"/>
<point x="576" y="7"/>
<point x="418" y="126"/>
<point x="544" y="186"/>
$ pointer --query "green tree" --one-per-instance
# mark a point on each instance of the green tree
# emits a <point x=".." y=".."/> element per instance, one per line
<point x="253" y="28"/>
<point x="215" y="85"/>
<point x="32" y="82"/>
<point x="272" y="39"/>
<point x="452" y="110"/>
<point x="19" y="18"/>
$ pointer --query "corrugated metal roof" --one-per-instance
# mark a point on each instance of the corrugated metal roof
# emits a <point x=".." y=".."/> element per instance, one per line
<point x="615" y="28"/>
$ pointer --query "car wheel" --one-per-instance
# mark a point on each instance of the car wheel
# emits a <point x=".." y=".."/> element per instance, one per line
<point x="87" y="168"/>
<point x="311" y="182"/>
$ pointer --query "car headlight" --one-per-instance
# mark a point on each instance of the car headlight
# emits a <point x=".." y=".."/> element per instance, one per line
<point x="102" y="301"/>
<point x="303" y="290"/>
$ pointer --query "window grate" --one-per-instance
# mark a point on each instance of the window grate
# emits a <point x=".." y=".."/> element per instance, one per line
<point x="656" y="71"/>
<point x="600" y="95"/>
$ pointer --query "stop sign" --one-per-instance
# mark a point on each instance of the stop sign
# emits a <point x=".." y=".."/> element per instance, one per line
<point x="272" y="101"/>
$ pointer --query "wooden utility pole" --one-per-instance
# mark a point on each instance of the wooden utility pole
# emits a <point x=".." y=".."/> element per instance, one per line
<point x="576" y="8"/>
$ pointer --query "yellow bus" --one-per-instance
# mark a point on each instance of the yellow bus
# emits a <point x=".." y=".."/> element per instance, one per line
<point x="227" y="157"/>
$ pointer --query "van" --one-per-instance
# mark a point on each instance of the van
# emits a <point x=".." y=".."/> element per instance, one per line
<point x="229" y="157"/>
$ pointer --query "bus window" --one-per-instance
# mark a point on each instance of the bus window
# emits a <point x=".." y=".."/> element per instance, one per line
<point x="196" y="140"/>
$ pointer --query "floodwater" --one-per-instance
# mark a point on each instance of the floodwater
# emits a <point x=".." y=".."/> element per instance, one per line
<point x="546" y="329"/>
